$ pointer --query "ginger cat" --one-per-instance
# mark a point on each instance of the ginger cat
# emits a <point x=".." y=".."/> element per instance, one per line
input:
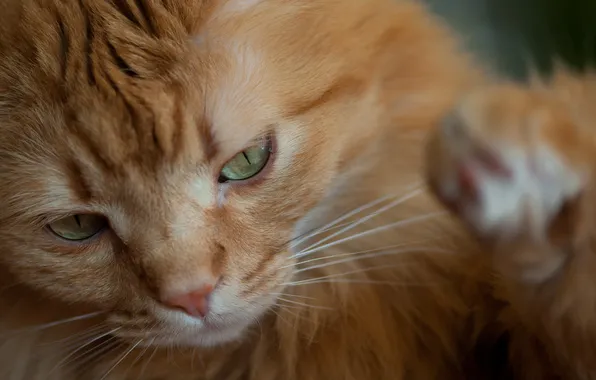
<point x="230" y="189"/>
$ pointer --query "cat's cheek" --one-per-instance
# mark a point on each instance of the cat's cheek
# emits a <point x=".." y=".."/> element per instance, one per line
<point x="73" y="273"/>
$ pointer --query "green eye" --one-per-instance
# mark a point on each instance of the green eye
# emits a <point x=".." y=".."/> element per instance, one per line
<point x="247" y="163"/>
<point x="78" y="227"/>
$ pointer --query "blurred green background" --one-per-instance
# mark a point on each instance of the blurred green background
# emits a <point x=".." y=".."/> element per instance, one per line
<point x="513" y="35"/>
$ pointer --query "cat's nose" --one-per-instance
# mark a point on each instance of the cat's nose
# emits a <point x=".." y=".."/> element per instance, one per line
<point x="195" y="303"/>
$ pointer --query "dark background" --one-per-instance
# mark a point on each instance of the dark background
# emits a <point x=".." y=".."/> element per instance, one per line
<point x="548" y="30"/>
<point x="515" y="35"/>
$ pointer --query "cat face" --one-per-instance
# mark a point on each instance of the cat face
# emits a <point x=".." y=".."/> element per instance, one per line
<point x="153" y="165"/>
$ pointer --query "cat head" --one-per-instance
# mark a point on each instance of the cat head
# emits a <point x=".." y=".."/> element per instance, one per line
<point x="154" y="160"/>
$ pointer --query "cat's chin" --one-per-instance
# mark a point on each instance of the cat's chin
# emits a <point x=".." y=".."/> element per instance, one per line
<point x="203" y="337"/>
<point x="190" y="332"/>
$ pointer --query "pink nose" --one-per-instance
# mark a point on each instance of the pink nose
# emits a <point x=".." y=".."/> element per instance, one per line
<point x="195" y="303"/>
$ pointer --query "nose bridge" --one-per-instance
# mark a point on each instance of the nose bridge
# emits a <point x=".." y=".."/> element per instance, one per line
<point x="178" y="248"/>
<point x="184" y="264"/>
<point x="168" y="220"/>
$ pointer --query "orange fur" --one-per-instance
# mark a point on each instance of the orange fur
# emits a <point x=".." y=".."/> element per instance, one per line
<point x="129" y="109"/>
<point x="542" y="248"/>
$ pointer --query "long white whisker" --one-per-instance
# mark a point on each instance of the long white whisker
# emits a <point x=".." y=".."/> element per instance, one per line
<point x="326" y="257"/>
<point x="362" y="270"/>
<point x="146" y="364"/>
<point x="357" y="281"/>
<point x="320" y="231"/>
<point x="91" y="341"/>
<point x="122" y="357"/>
<point x="303" y="304"/>
<point x="372" y="231"/>
<point x="139" y="356"/>
<point x="359" y="222"/>
<point x="340" y="219"/>
<point x="194" y="353"/>
<point x="95" y="352"/>
<point x="296" y="315"/>
<point x="53" y="324"/>
<point x="287" y="308"/>
<point x="291" y="296"/>
<point x="75" y="338"/>
<point x="280" y="317"/>
<point x="363" y="256"/>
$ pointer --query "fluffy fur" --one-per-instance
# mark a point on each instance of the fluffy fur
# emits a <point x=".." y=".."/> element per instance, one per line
<point x="129" y="109"/>
<point x="516" y="164"/>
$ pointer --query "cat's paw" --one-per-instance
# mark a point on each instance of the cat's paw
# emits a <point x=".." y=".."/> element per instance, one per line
<point x="506" y="161"/>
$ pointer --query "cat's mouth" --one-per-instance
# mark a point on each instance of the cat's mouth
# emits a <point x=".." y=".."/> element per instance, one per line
<point x="207" y="336"/>
<point x="185" y="331"/>
<point x="229" y="317"/>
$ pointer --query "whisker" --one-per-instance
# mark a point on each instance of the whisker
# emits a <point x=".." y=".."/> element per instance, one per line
<point x="296" y="314"/>
<point x="281" y="318"/>
<point x="366" y="256"/>
<point x="374" y="282"/>
<point x="362" y="270"/>
<point x="138" y="357"/>
<point x="95" y="353"/>
<point x="122" y="357"/>
<point x="291" y="295"/>
<point x="95" y="339"/>
<point x="326" y="257"/>
<point x="53" y="324"/>
<point x="194" y="350"/>
<point x="169" y="353"/>
<point x="383" y="209"/>
<point x="312" y="234"/>
<point x="303" y="304"/>
<point x="343" y="217"/>
<point x="373" y="231"/>
<point x="286" y="307"/>
<point x="146" y="364"/>
<point x="172" y="354"/>
<point x="75" y="338"/>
